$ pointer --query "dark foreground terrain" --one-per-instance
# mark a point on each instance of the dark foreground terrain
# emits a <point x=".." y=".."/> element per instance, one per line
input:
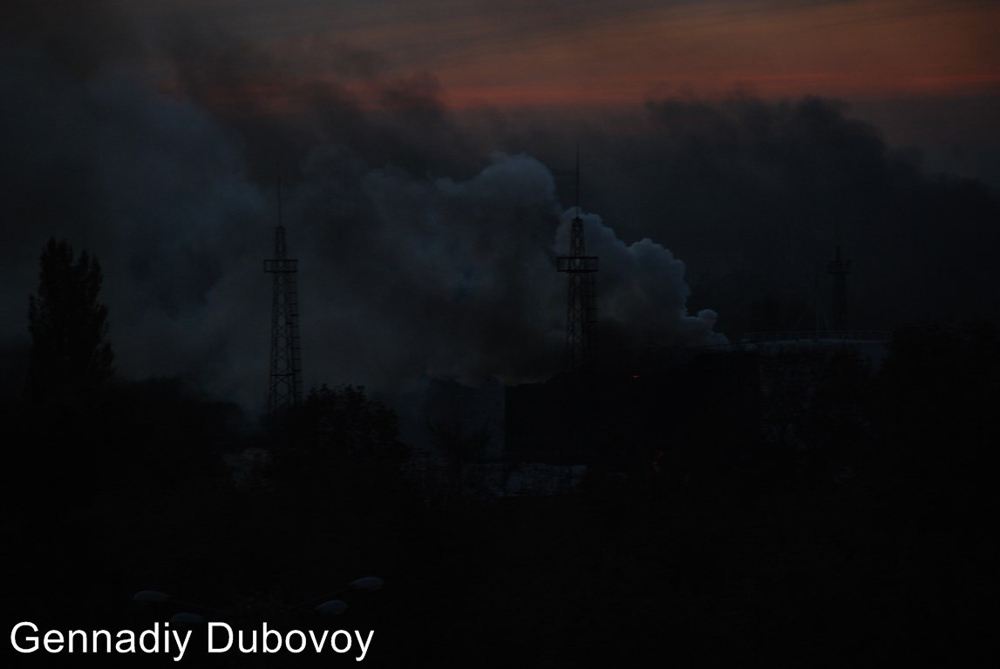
<point x="870" y="548"/>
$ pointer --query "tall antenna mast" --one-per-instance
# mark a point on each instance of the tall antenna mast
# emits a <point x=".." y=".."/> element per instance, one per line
<point x="285" y="381"/>
<point x="581" y="305"/>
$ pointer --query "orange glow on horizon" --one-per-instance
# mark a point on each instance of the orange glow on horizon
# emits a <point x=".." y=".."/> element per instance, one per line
<point x="856" y="50"/>
<point x="706" y="50"/>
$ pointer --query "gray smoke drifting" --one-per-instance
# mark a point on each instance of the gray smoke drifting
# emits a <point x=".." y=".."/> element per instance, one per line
<point x="427" y="241"/>
<point x="457" y="279"/>
<point x="755" y="196"/>
<point x="403" y="275"/>
<point x="642" y="289"/>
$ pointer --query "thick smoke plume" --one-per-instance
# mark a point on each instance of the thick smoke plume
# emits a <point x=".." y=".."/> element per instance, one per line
<point x="402" y="274"/>
<point x="428" y="241"/>
<point x="457" y="278"/>
<point x="756" y="195"/>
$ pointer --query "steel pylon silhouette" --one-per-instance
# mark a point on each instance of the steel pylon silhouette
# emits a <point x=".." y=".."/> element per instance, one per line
<point x="285" y="383"/>
<point x="581" y="304"/>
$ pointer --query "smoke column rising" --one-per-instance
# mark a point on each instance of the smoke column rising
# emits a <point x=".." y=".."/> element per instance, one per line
<point x="427" y="242"/>
<point x="402" y="275"/>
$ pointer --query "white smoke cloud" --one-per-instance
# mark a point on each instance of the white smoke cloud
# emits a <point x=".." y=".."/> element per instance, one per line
<point x="641" y="288"/>
<point x="456" y="279"/>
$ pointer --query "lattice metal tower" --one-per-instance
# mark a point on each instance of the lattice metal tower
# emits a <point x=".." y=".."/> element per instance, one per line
<point x="839" y="269"/>
<point x="285" y="386"/>
<point x="581" y="306"/>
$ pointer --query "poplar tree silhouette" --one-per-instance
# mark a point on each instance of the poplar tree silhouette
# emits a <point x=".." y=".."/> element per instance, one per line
<point x="70" y="358"/>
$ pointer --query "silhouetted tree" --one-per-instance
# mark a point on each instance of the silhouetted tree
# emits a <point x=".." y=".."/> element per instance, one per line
<point x="69" y="357"/>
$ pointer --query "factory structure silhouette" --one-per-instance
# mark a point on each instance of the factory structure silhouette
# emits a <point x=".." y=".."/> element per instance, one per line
<point x="616" y="409"/>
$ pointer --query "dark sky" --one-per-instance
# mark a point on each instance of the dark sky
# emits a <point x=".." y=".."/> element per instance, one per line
<point x="726" y="148"/>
